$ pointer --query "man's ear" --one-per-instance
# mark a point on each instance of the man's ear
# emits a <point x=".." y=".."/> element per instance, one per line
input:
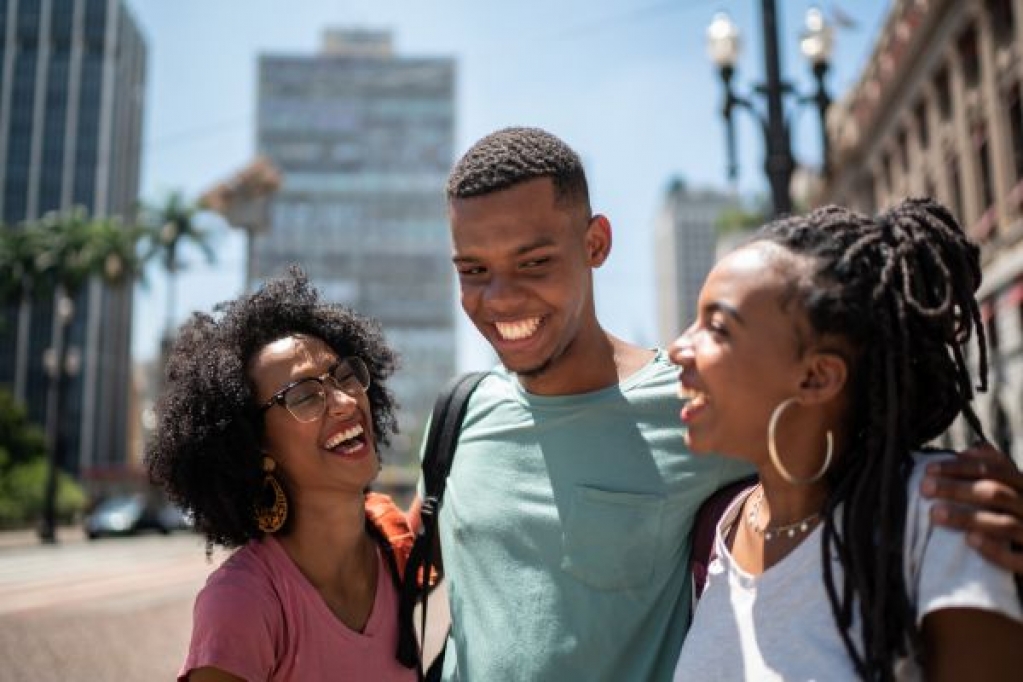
<point x="825" y="376"/>
<point x="598" y="240"/>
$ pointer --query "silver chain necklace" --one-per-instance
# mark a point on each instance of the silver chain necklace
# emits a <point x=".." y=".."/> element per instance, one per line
<point x="771" y="532"/>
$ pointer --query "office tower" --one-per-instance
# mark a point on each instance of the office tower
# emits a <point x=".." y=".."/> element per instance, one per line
<point x="364" y="140"/>
<point x="686" y="240"/>
<point x="71" y="95"/>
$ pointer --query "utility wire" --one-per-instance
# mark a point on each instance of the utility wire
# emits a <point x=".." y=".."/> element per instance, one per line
<point x="191" y="134"/>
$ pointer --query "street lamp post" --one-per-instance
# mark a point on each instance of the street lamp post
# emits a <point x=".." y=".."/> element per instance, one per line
<point x="59" y="363"/>
<point x="723" y="45"/>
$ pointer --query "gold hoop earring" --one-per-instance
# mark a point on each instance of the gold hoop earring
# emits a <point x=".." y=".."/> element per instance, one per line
<point x="772" y="449"/>
<point x="271" y="518"/>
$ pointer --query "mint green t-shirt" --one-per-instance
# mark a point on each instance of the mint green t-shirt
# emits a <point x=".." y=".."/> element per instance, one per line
<point x="565" y="531"/>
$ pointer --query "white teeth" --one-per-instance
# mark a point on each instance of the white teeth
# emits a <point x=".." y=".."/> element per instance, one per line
<point x="347" y="434"/>
<point x="688" y="394"/>
<point x="516" y="331"/>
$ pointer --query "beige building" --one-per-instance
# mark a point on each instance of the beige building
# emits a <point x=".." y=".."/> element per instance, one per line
<point x="937" y="111"/>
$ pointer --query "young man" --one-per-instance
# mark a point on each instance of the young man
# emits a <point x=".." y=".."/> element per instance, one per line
<point x="566" y="518"/>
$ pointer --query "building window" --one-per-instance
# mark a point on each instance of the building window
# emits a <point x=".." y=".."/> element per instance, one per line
<point x="1002" y="21"/>
<point x="1001" y="428"/>
<point x="1018" y="287"/>
<point x="944" y="91"/>
<point x="990" y="326"/>
<point x="969" y="57"/>
<point x="923" y="132"/>
<point x="27" y="16"/>
<point x="956" y="188"/>
<point x="1016" y="130"/>
<point x="903" y="148"/>
<point x="982" y="144"/>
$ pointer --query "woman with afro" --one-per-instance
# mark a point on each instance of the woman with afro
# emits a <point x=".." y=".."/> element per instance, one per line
<point x="268" y="431"/>
<point x="828" y="352"/>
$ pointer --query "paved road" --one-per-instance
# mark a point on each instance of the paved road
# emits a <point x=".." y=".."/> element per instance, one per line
<point x="114" y="609"/>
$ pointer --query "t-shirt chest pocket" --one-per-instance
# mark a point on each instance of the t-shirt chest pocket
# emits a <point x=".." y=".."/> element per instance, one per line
<point x="611" y="539"/>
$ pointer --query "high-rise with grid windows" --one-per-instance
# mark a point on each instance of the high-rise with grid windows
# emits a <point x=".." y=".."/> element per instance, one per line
<point x="364" y="141"/>
<point x="71" y="94"/>
<point x="685" y="248"/>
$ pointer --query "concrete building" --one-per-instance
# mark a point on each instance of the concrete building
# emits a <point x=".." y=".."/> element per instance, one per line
<point x="364" y="139"/>
<point x="938" y="111"/>
<point x="71" y="94"/>
<point x="685" y="249"/>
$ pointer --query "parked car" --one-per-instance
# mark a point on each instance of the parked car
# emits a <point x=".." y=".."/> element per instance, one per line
<point x="172" y="517"/>
<point x="130" y="514"/>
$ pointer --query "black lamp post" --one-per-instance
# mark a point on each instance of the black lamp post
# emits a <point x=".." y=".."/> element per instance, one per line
<point x="723" y="44"/>
<point x="61" y="363"/>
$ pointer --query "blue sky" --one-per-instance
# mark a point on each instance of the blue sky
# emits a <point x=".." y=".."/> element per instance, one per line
<point x="625" y="82"/>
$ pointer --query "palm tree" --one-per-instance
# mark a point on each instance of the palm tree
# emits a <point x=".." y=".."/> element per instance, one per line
<point x="172" y="224"/>
<point x="50" y="260"/>
<point x="72" y="249"/>
<point x="19" y="247"/>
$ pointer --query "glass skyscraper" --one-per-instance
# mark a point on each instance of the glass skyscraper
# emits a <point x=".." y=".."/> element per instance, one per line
<point x="71" y="94"/>
<point x="364" y="141"/>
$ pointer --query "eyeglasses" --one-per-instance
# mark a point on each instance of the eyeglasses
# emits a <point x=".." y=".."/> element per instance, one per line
<point x="306" y="399"/>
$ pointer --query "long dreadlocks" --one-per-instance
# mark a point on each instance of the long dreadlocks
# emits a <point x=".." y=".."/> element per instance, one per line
<point x="900" y="289"/>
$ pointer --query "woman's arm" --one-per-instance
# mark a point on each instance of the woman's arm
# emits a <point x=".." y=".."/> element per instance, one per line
<point x="971" y="644"/>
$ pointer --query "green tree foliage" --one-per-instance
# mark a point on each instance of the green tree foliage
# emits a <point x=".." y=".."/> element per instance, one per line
<point x="744" y="217"/>
<point x="171" y="226"/>
<point x="20" y="440"/>
<point x="23" y="470"/>
<point x="19" y="248"/>
<point x="39" y="260"/>
<point x="76" y="248"/>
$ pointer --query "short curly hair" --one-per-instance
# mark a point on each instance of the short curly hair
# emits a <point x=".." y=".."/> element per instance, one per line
<point x="206" y="449"/>
<point x="509" y="156"/>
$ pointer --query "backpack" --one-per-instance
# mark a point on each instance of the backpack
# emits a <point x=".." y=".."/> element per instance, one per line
<point x="424" y="558"/>
<point x="389" y="526"/>
<point x="705" y="530"/>
<point x="392" y="530"/>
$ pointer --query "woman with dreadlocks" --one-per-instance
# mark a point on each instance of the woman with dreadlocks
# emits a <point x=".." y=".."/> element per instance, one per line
<point x="828" y="351"/>
<point x="267" y="433"/>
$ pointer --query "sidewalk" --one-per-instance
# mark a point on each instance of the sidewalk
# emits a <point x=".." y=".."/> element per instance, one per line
<point x="28" y="537"/>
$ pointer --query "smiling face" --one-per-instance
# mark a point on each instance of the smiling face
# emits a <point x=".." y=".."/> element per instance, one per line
<point x="524" y="268"/>
<point x="742" y="356"/>
<point x="336" y="449"/>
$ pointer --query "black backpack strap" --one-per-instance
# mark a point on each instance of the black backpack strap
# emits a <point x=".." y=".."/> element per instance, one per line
<point x="441" y="441"/>
<point x="445" y="425"/>
<point x="705" y="530"/>
<point x="436" y="668"/>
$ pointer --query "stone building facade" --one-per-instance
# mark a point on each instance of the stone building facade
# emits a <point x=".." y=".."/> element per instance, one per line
<point x="938" y="111"/>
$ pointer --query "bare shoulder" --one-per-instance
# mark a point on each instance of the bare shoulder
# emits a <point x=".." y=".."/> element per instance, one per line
<point x="629" y="358"/>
